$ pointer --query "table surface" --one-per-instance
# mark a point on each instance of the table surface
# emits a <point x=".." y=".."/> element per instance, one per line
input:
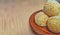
<point x="14" y="16"/>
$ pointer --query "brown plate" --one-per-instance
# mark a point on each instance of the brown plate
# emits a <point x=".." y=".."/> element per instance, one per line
<point x="39" y="29"/>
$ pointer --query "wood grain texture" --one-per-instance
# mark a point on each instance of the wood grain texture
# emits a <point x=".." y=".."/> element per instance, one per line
<point x="14" y="16"/>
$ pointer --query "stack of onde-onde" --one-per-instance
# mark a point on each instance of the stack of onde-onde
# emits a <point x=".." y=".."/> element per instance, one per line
<point x="52" y="9"/>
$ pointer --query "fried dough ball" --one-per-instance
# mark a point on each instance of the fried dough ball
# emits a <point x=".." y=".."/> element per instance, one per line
<point x="41" y="18"/>
<point x="53" y="24"/>
<point x="59" y="14"/>
<point x="51" y="7"/>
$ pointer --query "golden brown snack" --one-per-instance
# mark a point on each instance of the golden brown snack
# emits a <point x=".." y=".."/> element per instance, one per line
<point x="51" y="7"/>
<point x="41" y="18"/>
<point x="59" y="14"/>
<point x="53" y="24"/>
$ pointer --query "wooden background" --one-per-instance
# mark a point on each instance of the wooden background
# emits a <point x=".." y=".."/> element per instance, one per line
<point x="14" y="16"/>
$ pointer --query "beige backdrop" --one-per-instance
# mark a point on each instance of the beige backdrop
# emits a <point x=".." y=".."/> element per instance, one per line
<point x="14" y="16"/>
